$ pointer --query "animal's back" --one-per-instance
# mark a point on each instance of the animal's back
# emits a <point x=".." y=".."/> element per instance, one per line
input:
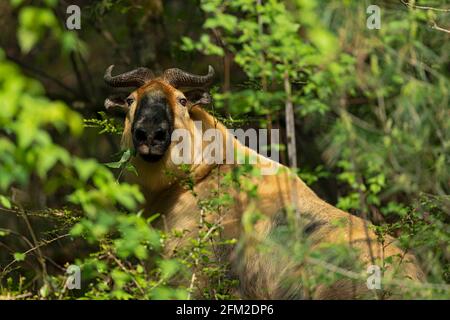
<point x="273" y="273"/>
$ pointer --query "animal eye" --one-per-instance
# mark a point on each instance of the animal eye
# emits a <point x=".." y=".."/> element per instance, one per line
<point x="129" y="101"/>
<point x="183" y="102"/>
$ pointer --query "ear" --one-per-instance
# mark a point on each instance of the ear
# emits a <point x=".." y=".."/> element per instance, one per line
<point x="116" y="104"/>
<point x="198" y="97"/>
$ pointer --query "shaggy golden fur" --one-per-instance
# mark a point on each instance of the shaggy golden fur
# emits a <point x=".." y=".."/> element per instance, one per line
<point x="263" y="274"/>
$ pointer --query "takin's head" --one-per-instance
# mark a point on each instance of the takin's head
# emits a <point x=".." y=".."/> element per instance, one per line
<point x="156" y="107"/>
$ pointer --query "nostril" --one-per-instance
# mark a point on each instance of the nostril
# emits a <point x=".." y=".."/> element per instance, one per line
<point x="140" y="135"/>
<point x="160" y="134"/>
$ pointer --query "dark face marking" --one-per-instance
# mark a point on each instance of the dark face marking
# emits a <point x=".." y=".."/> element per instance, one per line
<point x="152" y="127"/>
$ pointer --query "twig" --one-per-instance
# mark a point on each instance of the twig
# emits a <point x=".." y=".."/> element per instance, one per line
<point x="290" y="137"/>
<point x="42" y="74"/>
<point x="37" y="247"/>
<point x="88" y="74"/>
<point x="109" y="37"/>
<point x="264" y="82"/>
<point x="191" y="286"/>
<point x="423" y="7"/>
<point x="20" y="296"/>
<point x="119" y="263"/>
<point x="436" y="27"/>
<point x="78" y="74"/>
<point x="354" y="275"/>
<point x="28" y="242"/>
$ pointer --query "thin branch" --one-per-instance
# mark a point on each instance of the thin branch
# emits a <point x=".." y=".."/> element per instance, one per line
<point x="357" y="276"/>
<point x="8" y="296"/>
<point x="78" y="75"/>
<point x="119" y="263"/>
<point x="435" y="26"/>
<point x="423" y="7"/>
<point x="36" y="247"/>
<point x="42" y="74"/>
<point x="88" y="74"/>
<point x="191" y="286"/>
<point x="290" y="124"/>
<point x="20" y="236"/>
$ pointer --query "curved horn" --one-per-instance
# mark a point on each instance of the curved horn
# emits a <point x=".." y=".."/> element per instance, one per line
<point x="179" y="78"/>
<point x="134" y="78"/>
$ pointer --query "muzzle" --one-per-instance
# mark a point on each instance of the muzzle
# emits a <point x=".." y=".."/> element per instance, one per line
<point x="152" y="129"/>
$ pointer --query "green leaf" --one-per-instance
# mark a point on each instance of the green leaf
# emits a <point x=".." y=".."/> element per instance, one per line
<point x="27" y="39"/>
<point x="44" y="291"/>
<point x="19" y="256"/>
<point x="16" y="3"/>
<point x="168" y="268"/>
<point x="51" y="3"/>
<point x="4" y="233"/>
<point x="5" y="202"/>
<point x="123" y="160"/>
<point x="85" y="168"/>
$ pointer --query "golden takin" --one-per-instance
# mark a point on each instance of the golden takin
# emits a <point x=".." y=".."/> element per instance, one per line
<point x="161" y="105"/>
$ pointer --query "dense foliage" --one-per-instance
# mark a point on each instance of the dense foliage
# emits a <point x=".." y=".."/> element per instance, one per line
<point x="372" y="126"/>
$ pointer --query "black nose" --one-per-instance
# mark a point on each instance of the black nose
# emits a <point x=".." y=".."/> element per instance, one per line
<point x="140" y="134"/>
<point x="159" y="135"/>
